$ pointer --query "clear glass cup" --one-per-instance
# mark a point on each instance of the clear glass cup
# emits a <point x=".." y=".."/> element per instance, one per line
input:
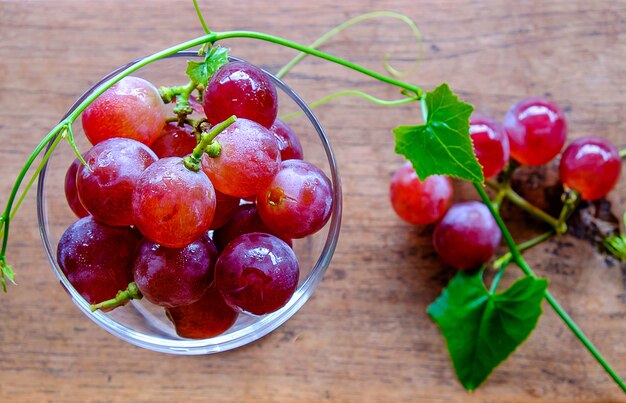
<point x="144" y="324"/>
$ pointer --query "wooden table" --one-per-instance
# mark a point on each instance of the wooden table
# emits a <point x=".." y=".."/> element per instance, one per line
<point x="364" y="336"/>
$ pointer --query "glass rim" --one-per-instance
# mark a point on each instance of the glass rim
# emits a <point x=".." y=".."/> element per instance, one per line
<point x="229" y="341"/>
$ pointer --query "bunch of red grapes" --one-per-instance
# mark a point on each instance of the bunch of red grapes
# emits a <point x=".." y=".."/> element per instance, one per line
<point x="533" y="133"/>
<point x="206" y="243"/>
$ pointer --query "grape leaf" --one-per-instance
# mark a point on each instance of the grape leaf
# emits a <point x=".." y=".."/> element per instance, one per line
<point x="441" y="146"/>
<point x="6" y="272"/>
<point x="201" y="72"/>
<point x="483" y="329"/>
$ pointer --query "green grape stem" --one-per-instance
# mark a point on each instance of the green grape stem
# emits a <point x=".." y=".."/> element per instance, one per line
<point x="191" y="122"/>
<point x="506" y="258"/>
<point x="519" y="260"/>
<point x="121" y="298"/>
<point x="193" y="161"/>
<point x="522" y="203"/>
<point x="496" y="279"/>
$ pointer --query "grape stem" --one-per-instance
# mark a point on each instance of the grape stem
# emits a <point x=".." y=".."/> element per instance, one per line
<point x="622" y="153"/>
<point x="519" y="260"/>
<point x="570" y="198"/>
<point x="182" y="94"/>
<point x="515" y="198"/>
<point x="505" y="179"/>
<point x="191" y="122"/>
<point x="506" y="258"/>
<point x="496" y="279"/>
<point x="121" y="298"/>
<point x="193" y="161"/>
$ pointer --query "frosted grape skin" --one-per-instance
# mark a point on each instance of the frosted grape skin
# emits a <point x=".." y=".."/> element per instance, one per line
<point x="131" y="108"/>
<point x="172" y="205"/>
<point x="257" y="273"/>
<point x="106" y="188"/>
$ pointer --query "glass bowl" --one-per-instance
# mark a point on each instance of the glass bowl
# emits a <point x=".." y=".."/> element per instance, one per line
<point x="144" y="324"/>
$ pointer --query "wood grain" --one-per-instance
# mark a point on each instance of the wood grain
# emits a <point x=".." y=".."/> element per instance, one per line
<point x="364" y="336"/>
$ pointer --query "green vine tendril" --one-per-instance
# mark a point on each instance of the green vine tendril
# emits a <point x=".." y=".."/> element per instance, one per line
<point x="361" y="94"/>
<point x="353" y="21"/>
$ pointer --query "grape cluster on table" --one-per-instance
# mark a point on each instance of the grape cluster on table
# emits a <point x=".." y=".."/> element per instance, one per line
<point x="532" y="133"/>
<point x="205" y="245"/>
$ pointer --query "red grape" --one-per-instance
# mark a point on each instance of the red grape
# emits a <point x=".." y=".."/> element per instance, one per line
<point x="210" y="246"/>
<point x="171" y="277"/>
<point x="131" y="108"/>
<point x="245" y="220"/>
<point x="491" y="144"/>
<point x="225" y="208"/>
<point x="591" y="166"/>
<point x="208" y="317"/>
<point x="173" y="205"/>
<point x="175" y="141"/>
<point x="243" y="90"/>
<point x="288" y="143"/>
<point x="71" y="194"/>
<point x="467" y="236"/>
<point x="536" y="129"/>
<point x="248" y="161"/>
<point x="298" y="201"/>
<point x="106" y="190"/>
<point x="257" y="273"/>
<point x="97" y="259"/>
<point x="418" y="202"/>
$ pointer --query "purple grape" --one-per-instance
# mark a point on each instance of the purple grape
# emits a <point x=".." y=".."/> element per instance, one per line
<point x="244" y="221"/>
<point x="97" y="259"/>
<point x="467" y="236"/>
<point x="208" y="317"/>
<point x="288" y="143"/>
<point x="225" y="208"/>
<point x="175" y="141"/>
<point x="71" y="194"/>
<point x="257" y="273"/>
<point x="171" y="277"/>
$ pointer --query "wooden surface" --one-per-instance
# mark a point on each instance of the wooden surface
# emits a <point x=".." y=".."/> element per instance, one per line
<point x="364" y="336"/>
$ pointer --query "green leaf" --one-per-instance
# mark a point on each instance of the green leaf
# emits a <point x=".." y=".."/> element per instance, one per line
<point x="6" y="272"/>
<point x="483" y="329"/>
<point x="201" y="72"/>
<point x="441" y="146"/>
